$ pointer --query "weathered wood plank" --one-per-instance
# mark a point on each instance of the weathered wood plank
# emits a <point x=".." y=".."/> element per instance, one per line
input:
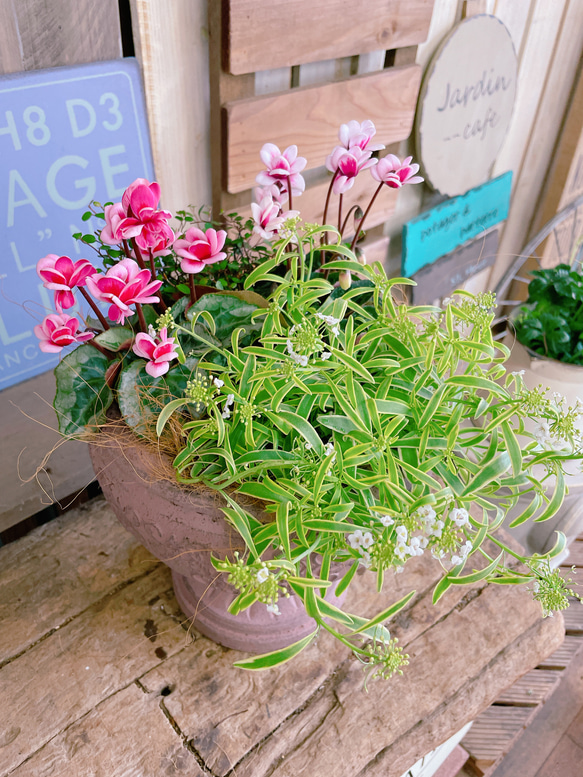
<point x="387" y="24"/>
<point x="573" y="617"/>
<point x="223" y="87"/>
<point x="532" y="689"/>
<point x="207" y="684"/>
<point x="99" y="652"/>
<point x="128" y="735"/>
<point x="564" y="654"/>
<point x="493" y="733"/>
<point x="172" y="48"/>
<point x="28" y="423"/>
<point x="415" y="715"/>
<point x="575" y="557"/>
<point x="561" y="35"/>
<point x="262" y="702"/>
<point x="60" y="569"/>
<point x="387" y="97"/>
<point x="37" y="34"/>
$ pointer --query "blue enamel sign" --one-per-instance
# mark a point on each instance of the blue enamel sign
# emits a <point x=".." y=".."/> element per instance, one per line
<point x="457" y="220"/>
<point x="68" y="136"/>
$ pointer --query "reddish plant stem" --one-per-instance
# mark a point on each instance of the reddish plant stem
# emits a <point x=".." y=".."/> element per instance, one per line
<point x="161" y="303"/>
<point x="139" y="257"/>
<point x="340" y="212"/>
<point x="94" y="308"/>
<point x="192" y="289"/>
<point x="363" y="219"/>
<point x="325" y="216"/>
<point x="348" y="215"/>
<point x="141" y="318"/>
<point x="289" y="193"/>
<point x="126" y="249"/>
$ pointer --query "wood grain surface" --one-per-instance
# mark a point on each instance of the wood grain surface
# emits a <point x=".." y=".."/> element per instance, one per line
<point x="117" y="684"/>
<point x="35" y="34"/>
<point x="336" y="28"/>
<point x="388" y="98"/>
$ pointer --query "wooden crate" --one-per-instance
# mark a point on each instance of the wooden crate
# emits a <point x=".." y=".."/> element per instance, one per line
<point x="282" y="92"/>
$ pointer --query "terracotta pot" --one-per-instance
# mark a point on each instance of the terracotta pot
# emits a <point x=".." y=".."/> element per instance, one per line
<point x="181" y="527"/>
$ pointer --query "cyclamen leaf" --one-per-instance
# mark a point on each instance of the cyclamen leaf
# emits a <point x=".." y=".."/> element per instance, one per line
<point x="82" y="396"/>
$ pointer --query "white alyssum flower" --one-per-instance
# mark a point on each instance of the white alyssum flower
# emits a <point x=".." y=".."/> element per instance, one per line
<point x="325" y="355"/>
<point x="298" y="358"/>
<point x="360" y="540"/>
<point x="460" y="516"/>
<point x="273" y="608"/>
<point x="386" y="520"/>
<point x="402" y="533"/>
<point x="426" y="514"/>
<point x="329" y="451"/>
<point x="330" y="320"/>
<point x="464" y="553"/>
<point x="262" y="575"/>
<point x="414" y="548"/>
<point x="542" y="434"/>
<point x="437" y="529"/>
<point x="218" y="382"/>
<point x="228" y="404"/>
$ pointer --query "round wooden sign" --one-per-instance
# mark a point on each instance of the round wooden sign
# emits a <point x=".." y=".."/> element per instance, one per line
<point x="465" y="104"/>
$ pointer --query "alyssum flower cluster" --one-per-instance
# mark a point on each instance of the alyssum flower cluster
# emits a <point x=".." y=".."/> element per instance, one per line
<point x="373" y="432"/>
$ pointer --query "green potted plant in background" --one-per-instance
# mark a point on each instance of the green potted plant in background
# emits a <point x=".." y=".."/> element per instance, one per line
<point x="307" y="421"/>
<point x="546" y="339"/>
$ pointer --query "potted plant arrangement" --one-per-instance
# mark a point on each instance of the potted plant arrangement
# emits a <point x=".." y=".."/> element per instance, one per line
<point x="546" y="340"/>
<point x="290" y="404"/>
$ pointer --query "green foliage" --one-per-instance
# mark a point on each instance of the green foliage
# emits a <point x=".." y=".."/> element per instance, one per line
<point x="82" y="396"/>
<point x="351" y="422"/>
<point x="141" y="397"/>
<point x="551" y="321"/>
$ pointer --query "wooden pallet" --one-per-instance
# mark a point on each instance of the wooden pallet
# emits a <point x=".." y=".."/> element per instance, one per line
<point x="247" y="111"/>
<point x="497" y="730"/>
<point x="100" y="676"/>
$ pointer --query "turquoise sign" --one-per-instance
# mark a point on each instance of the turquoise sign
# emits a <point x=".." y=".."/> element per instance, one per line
<point x="442" y="229"/>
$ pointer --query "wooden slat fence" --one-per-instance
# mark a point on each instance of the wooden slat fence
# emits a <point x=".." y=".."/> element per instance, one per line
<point x="298" y="96"/>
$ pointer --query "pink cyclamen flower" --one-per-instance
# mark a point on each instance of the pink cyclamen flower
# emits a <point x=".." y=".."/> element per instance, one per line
<point x="282" y="168"/>
<point x="62" y="274"/>
<point x="394" y="173"/>
<point x="198" y="248"/>
<point x="114" y="216"/>
<point x="123" y="285"/>
<point x="59" y="330"/>
<point x="138" y="217"/>
<point x="158" y="349"/>
<point x="269" y="218"/>
<point x="356" y="134"/>
<point x="347" y="164"/>
<point x="273" y="191"/>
